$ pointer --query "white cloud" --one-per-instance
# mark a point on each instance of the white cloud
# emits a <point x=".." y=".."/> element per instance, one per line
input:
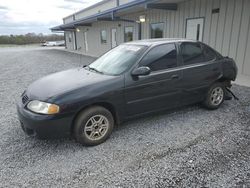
<point x="23" y="16"/>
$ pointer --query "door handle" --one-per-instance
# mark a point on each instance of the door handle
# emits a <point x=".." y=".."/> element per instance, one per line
<point x="174" y="77"/>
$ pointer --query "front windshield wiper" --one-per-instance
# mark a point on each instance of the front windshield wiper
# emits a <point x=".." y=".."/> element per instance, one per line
<point x="94" y="69"/>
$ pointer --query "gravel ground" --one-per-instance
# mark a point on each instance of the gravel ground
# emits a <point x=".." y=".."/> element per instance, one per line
<point x="191" y="147"/>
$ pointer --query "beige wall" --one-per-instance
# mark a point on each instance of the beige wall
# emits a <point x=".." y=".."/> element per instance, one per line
<point x="102" y="7"/>
<point x="122" y="2"/>
<point x="68" y="19"/>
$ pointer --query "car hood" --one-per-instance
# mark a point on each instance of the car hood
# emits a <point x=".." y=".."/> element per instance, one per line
<point x="63" y="82"/>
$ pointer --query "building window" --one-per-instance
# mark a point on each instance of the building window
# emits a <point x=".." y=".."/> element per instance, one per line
<point x="103" y="36"/>
<point x="70" y="37"/>
<point x="128" y="34"/>
<point x="157" y="30"/>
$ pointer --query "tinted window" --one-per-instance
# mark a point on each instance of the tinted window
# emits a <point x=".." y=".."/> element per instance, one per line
<point x="103" y="36"/>
<point x="161" y="57"/>
<point x="191" y="53"/>
<point x="128" y="34"/>
<point x="209" y="53"/>
<point x="157" y="30"/>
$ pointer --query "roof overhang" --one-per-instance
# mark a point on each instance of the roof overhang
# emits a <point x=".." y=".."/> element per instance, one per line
<point x="109" y="15"/>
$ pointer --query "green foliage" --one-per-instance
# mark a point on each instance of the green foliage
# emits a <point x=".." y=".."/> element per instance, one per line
<point x="29" y="38"/>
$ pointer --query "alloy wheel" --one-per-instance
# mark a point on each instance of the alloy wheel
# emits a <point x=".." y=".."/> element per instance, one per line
<point x="96" y="127"/>
<point x="217" y="95"/>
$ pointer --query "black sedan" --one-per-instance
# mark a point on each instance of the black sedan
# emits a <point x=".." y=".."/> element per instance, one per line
<point x="131" y="80"/>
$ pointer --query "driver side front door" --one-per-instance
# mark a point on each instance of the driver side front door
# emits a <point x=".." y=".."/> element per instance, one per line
<point x="161" y="88"/>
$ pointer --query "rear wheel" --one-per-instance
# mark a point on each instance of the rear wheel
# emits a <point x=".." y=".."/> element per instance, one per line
<point x="93" y="126"/>
<point x="215" y="96"/>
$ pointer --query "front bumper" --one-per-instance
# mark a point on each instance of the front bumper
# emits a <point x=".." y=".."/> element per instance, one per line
<point x="44" y="126"/>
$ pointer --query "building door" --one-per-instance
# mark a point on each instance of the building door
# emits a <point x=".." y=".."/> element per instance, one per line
<point x="194" y="29"/>
<point x="113" y="38"/>
<point x="85" y="38"/>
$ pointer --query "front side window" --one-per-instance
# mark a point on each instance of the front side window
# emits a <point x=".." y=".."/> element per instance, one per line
<point x="157" y="30"/>
<point x="161" y="57"/>
<point x="118" y="60"/>
<point x="103" y="36"/>
<point x="128" y="34"/>
<point x="191" y="53"/>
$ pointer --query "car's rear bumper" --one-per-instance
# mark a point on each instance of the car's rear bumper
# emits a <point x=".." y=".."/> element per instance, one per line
<point x="44" y="126"/>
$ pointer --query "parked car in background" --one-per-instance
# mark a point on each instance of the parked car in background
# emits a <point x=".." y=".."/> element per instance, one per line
<point x="54" y="43"/>
<point x="131" y="80"/>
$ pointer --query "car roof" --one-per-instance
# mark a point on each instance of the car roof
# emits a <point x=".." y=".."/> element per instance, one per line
<point x="150" y="42"/>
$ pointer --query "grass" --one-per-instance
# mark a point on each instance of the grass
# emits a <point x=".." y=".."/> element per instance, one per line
<point x="15" y="45"/>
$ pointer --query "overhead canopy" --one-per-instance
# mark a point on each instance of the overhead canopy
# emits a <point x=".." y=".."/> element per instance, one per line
<point x="109" y="15"/>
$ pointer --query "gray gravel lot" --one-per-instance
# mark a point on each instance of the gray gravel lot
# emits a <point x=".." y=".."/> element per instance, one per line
<point x="190" y="147"/>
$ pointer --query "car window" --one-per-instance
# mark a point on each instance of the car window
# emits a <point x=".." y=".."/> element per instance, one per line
<point x="209" y="53"/>
<point x="118" y="60"/>
<point x="191" y="53"/>
<point x="160" y="57"/>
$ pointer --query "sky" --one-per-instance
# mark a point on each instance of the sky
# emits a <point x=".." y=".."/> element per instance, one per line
<point x="36" y="16"/>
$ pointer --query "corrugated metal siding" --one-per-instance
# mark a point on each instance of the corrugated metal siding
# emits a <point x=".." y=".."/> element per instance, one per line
<point x="68" y="19"/>
<point x="105" y="6"/>
<point x="227" y="31"/>
<point x="122" y="2"/>
<point x="94" y="38"/>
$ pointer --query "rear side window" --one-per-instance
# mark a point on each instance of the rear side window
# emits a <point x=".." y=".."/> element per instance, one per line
<point x="191" y="53"/>
<point x="160" y="57"/>
<point x="209" y="53"/>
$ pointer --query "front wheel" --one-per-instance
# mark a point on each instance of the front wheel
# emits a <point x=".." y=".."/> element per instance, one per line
<point x="93" y="126"/>
<point x="215" y="96"/>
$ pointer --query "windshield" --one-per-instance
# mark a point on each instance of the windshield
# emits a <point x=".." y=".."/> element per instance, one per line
<point x="118" y="60"/>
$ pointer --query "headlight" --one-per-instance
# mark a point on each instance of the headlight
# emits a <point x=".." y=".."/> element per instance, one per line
<point x="43" y="107"/>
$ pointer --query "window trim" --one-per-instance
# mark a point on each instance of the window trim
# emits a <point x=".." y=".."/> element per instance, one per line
<point x="162" y="70"/>
<point x="150" y="29"/>
<point x="104" y="41"/>
<point x="125" y="33"/>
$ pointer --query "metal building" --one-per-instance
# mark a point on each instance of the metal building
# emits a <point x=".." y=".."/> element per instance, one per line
<point x="222" y="24"/>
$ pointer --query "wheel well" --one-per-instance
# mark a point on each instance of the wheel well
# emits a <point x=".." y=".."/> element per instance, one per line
<point x="108" y="106"/>
<point x="226" y="81"/>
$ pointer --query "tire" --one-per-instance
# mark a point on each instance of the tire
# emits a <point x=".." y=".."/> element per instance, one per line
<point x="93" y="126"/>
<point x="215" y="96"/>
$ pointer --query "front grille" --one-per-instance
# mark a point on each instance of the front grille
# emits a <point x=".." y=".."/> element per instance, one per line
<point x="25" y="99"/>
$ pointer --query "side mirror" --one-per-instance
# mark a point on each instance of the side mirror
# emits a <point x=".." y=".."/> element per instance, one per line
<point x="141" y="71"/>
